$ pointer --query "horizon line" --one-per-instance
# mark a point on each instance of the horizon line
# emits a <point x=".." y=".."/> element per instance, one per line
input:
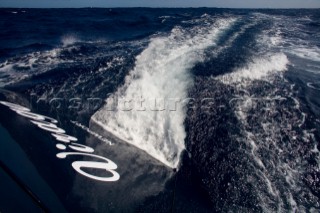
<point x="132" y="7"/>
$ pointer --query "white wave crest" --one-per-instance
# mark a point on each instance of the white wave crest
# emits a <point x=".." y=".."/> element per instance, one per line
<point x="257" y="69"/>
<point x="68" y="40"/>
<point x="161" y="71"/>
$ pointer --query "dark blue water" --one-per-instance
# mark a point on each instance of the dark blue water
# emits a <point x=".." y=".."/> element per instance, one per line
<point x="245" y="134"/>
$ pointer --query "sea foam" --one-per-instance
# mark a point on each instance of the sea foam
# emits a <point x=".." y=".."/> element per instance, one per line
<point x="258" y="68"/>
<point x="161" y="72"/>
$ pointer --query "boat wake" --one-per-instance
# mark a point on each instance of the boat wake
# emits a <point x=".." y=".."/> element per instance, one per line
<point x="161" y="73"/>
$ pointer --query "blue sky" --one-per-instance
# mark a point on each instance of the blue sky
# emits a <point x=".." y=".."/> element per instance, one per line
<point x="164" y="3"/>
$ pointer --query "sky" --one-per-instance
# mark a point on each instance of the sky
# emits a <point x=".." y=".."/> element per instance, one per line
<point x="163" y="3"/>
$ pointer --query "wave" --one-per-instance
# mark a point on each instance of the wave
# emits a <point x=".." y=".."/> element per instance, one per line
<point x="310" y="53"/>
<point x="258" y="69"/>
<point x="161" y="72"/>
<point x="68" y="40"/>
<point x="21" y="67"/>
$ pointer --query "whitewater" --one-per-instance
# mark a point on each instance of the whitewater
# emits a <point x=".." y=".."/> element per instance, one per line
<point x="161" y="74"/>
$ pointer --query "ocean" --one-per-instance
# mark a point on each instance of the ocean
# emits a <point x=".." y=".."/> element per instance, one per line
<point x="160" y="110"/>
